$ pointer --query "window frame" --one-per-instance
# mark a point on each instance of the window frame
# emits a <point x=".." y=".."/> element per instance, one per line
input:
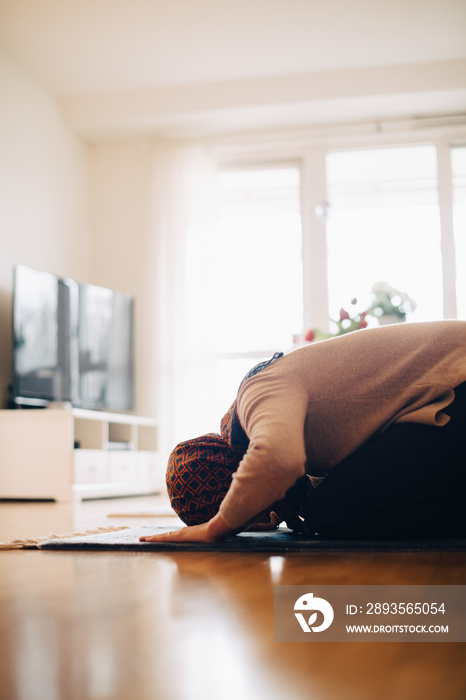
<point x="309" y="149"/>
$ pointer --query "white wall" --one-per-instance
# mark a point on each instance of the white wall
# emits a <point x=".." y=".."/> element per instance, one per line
<point x="44" y="188"/>
<point x="75" y="210"/>
<point x="123" y="255"/>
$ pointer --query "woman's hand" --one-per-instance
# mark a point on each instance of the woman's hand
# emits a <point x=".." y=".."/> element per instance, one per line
<point x="215" y="529"/>
<point x="265" y="522"/>
<point x="211" y="531"/>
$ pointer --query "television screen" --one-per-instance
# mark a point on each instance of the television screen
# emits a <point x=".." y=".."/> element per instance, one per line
<point x="105" y="349"/>
<point x="43" y="335"/>
<point x="71" y="343"/>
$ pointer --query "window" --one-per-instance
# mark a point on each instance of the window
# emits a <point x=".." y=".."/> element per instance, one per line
<point x="248" y="273"/>
<point x="384" y="225"/>
<point x="458" y="162"/>
<point x="255" y="269"/>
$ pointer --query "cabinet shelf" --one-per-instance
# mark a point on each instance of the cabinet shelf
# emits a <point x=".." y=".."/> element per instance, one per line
<point x="60" y="454"/>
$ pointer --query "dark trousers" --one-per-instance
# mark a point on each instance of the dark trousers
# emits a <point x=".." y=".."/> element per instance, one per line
<point x="408" y="482"/>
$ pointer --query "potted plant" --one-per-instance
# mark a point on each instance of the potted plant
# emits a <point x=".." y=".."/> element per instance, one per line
<point x="389" y="305"/>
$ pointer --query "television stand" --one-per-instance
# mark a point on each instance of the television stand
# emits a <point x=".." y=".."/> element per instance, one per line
<point x="63" y="405"/>
<point x="65" y="453"/>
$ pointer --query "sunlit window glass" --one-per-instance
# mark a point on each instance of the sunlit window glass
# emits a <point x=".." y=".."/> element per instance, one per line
<point x="458" y="161"/>
<point x="384" y="226"/>
<point x="255" y="268"/>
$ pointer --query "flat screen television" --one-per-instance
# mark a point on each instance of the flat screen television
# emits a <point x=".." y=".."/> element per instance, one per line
<point x="105" y="349"/>
<point x="72" y="343"/>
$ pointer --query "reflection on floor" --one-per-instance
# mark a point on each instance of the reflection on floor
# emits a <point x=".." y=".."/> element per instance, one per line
<point x="176" y="626"/>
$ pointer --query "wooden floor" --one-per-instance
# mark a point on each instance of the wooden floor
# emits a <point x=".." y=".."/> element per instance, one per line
<point x="183" y="626"/>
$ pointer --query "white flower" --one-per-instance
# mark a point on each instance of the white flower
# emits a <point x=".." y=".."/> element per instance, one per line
<point x="389" y="300"/>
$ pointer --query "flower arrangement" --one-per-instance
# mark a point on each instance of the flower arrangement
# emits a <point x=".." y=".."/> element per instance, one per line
<point x="389" y="301"/>
<point x="388" y="305"/>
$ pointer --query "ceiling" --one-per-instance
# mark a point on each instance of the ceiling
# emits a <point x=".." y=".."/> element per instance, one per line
<point x="194" y="65"/>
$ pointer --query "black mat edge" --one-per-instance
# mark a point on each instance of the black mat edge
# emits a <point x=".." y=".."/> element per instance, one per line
<point x="271" y="542"/>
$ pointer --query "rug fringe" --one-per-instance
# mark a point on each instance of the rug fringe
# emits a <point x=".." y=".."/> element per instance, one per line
<point x="33" y="543"/>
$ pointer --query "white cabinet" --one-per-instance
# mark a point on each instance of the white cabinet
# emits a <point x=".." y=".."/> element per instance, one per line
<point x="58" y="454"/>
<point x="90" y="467"/>
<point x="123" y="466"/>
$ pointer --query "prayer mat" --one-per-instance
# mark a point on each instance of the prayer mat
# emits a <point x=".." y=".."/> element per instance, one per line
<point x="273" y="542"/>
